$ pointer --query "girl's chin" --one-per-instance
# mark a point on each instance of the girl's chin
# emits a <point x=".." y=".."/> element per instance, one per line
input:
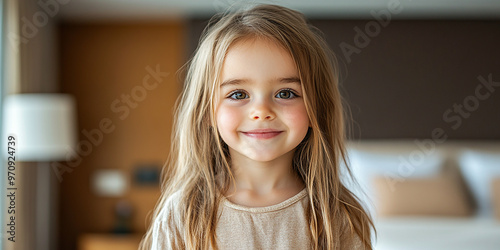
<point x="263" y="157"/>
<point x="260" y="155"/>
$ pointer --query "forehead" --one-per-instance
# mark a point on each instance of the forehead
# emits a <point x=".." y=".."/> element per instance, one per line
<point x="258" y="59"/>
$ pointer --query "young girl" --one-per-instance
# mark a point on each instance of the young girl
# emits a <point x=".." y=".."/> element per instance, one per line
<point x="258" y="143"/>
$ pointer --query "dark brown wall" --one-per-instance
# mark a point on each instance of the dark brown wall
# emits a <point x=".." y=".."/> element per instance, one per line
<point x="401" y="82"/>
<point x="407" y="77"/>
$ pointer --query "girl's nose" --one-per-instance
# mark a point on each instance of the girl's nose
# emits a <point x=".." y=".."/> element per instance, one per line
<point x="262" y="112"/>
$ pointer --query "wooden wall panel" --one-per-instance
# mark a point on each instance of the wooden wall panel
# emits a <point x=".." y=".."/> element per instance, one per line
<point x="104" y="67"/>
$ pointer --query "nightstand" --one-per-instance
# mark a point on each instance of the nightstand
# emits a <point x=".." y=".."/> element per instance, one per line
<point x="109" y="241"/>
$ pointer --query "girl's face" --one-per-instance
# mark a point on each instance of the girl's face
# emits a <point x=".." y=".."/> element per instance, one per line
<point x="261" y="113"/>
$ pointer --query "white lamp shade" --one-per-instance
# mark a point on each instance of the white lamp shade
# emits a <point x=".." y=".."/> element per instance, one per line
<point x="44" y="125"/>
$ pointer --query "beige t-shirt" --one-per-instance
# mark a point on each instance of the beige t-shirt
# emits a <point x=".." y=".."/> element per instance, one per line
<point x="280" y="226"/>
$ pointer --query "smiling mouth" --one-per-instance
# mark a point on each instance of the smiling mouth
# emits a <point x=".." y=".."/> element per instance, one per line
<point x="262" y="133"/>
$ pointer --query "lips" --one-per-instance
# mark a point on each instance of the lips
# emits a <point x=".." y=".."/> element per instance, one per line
<point x="262" y="133"/>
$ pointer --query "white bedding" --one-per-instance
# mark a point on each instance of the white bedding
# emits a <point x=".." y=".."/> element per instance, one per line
<point x="436" y="233"/>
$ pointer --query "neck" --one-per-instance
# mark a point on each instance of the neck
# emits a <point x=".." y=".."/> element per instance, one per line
<point x="264" y="177"/>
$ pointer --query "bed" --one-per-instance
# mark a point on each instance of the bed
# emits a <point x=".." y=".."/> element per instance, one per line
<point x="437" y="233"/>
<point x="430" y="208"/>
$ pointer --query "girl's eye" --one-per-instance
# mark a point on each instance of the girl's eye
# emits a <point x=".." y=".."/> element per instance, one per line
<point x="238" y="95"/>
<point x="286" y="94"/>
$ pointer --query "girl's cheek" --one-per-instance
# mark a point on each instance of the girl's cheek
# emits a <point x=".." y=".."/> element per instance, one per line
<point x="298" y="116"/>
<point x="228" y="118"/>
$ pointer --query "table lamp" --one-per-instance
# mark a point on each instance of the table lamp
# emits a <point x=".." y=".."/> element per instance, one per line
<point x="44" y="127"/>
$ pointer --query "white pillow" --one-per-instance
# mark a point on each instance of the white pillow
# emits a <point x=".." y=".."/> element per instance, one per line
<point x="479" y="169"/>
<point x="396" y="167"/>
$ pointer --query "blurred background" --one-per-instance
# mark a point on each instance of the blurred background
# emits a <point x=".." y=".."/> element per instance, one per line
<point x="88" y="89"/>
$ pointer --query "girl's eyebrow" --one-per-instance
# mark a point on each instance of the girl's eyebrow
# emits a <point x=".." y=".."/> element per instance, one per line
<point x="237" y="81"/>
<point x="290" y="80"/>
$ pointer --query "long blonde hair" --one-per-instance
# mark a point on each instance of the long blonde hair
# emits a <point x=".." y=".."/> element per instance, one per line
<point x="199" y="163"/>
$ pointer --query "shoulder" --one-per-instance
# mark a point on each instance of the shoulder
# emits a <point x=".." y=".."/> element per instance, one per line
<point x="349" y="238"/>
<point x="172" y="202"/>
<point x="357" y="243"/>
<point x="171" y="210"/>
<point x="353" y="241"/>
<point x="167" y="226"/>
